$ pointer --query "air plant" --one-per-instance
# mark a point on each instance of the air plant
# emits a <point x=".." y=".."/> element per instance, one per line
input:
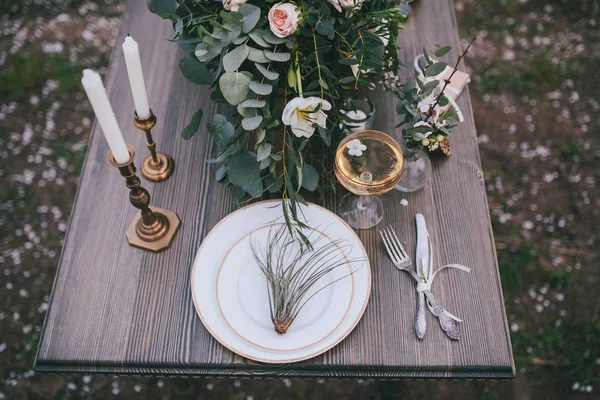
<point x="292" y="266"/>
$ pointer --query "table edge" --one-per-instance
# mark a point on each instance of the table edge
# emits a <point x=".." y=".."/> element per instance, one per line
<point x="293" y="370"/>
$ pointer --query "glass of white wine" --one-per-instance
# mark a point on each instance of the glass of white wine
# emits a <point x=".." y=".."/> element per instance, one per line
<point x="368" y="164"/>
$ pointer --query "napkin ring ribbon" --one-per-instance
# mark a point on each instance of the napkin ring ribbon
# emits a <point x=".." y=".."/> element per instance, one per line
<point x="425" y="285"/>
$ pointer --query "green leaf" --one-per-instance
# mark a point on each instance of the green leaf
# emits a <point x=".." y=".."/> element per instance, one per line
<point x="246" y="111"/>
<point x="221" y="129"/>
<point x="277" y="57"/>
<point x="442" y="51"/>
<point x="429" y="86"/>
<point x="410" y="84"/>
<point x="273" y="183"/>
<point x="238" y="192"/>
<point x="258" y="56"/>
<point x="251" y="123"/>
<point x="263" y="89"/>
<point x="325" y="27"/>
<point x="436" y="69"/>
<point x="263" y="152"/>
<point x="271" y="38"/>
<point x="208" y="49"/>
<point x="251" y="103"/>
<point x="347" y="79"/>
<point x="242" y="169"/>
<point x="221" y="172"/>
<point x="196" y="72"/>
<point x="250" y="16"/>
<point x="328" y="72"/>
<point x="254" y="189"/>
<point x="239" y="40"/>
<point x="261" y="135"/>
<point x="427" y="58"/>
<point x="233" y="18"/>
<point x="348" y="61"/>
<point x="264" y="164"/>
<point x="310" y="177"/>
<point x="270" y="75"/>
<point x="443" y="101"/>
<point x="234" y="59"/>
<point x="191" y="129"/>
<point x="234" y="87"/>
<point x="257" y="36"/>
<point x="164" y="6"/>
<point x="324" y="133"/>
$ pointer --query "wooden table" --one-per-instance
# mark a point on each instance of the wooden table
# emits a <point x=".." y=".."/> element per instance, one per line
<point x="117" y="309"/>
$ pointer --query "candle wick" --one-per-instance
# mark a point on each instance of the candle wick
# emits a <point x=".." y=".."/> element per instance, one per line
<point x="128" y="34"/>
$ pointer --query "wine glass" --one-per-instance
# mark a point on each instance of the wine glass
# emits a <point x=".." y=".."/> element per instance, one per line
<point x="368" y="164"/>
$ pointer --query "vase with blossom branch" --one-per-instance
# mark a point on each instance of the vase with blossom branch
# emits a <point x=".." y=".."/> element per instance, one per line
<point x="428" y="114"/>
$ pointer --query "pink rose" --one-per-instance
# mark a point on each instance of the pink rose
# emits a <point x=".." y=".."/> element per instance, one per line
<point x="284" y="19"/>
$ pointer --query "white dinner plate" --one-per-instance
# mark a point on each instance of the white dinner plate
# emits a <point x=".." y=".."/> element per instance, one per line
<point x="243" y="300"/>
<point x="230" y="292"/>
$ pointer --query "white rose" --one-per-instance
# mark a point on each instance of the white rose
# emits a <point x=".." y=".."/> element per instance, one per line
<point x="426" y="125"/>
<point x="233" y="5"/>
<point x="346" y="4"/>
<point x="299" y="113"/>
<point x="283" y="19"/>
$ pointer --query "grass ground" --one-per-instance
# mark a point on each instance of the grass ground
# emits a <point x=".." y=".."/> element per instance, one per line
<point x="534" y="66"/>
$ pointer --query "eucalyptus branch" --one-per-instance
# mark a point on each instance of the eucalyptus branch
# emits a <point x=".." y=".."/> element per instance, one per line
<point x="447" y="81"/>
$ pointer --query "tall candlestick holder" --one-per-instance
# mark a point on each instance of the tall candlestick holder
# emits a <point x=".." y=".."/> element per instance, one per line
<point x="157" y="166"/>
<point x="151" y="229"/>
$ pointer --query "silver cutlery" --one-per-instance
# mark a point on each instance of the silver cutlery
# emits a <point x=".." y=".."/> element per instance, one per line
<point x="402" y="261"/>
<point x="422" y="268"/>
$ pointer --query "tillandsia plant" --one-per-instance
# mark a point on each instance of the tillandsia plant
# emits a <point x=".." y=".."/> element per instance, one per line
<point x="423" y="103"/>
<point x="295" y="270"/>
<point x="285" y="69"/>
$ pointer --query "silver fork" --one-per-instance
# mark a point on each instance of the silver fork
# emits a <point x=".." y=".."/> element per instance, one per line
<point x="401" y="260"/>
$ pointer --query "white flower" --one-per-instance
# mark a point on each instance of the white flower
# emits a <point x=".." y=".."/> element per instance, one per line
<point x="346" y="4"/>
<point x="300" y="114"/>
<point x="355" y="147"/>
<point x="425" y="124"/>
<point x="426" y="103"/>
<point x="233" y="5"/>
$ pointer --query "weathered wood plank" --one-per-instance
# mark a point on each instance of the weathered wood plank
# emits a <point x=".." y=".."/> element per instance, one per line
<point x="117" y="309"/>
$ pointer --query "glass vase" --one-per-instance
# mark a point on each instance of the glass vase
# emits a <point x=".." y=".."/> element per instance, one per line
<point x="417" y="170"/>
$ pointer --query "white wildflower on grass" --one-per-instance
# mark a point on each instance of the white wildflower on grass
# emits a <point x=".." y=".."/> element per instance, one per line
<point x="355" y="147"/>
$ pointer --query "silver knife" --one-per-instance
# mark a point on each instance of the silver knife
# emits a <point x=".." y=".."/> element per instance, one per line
<point x="448" y="325"/>
<point x="422" y="266"/>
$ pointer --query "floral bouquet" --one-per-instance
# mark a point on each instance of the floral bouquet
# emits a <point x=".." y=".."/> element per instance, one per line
<point x="285" y="69"/>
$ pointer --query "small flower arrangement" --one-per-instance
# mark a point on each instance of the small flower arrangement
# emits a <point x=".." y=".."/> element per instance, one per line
<point x="284" y="69"/>
<point x="424" y="105"/>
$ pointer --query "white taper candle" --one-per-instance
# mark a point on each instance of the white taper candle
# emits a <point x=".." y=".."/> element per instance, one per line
<point x="136" y="77"/>
<point x="94" y="88"/>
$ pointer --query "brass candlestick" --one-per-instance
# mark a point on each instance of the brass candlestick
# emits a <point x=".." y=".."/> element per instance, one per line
<point x="151" y="229"/>
<point x="157" y="166"/>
